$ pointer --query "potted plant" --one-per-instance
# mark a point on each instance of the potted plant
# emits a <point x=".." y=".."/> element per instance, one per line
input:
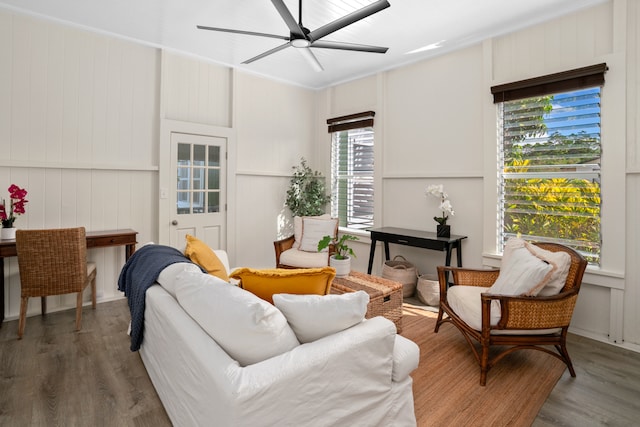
<point x="437" y="191"/>
<point x="341" y="258"/>
<point x="307" y="195"/>
<point x="17" y="200"/>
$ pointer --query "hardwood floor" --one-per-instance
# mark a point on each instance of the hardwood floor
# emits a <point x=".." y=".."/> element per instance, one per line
<point x="57" y="377"/>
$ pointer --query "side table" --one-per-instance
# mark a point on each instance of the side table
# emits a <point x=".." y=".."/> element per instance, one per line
<point x="415" y="238"/>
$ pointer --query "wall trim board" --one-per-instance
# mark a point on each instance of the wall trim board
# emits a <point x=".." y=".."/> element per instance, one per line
<point x="424" y="175"/>
<point x="76" y="166"/>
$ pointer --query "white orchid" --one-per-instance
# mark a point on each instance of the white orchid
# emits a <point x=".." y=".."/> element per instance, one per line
<point x="445" y="205"/>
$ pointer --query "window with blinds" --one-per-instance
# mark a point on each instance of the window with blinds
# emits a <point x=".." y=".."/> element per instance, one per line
<point x="549" y="169"/>
<point x="352" y="170"/>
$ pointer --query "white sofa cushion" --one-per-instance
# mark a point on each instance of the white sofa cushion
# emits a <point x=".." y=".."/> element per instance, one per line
<point x="167" y="277"/>
<point x="522" y="271"/>
<point x="248" y="328"/>
<point x="315" y="316"/>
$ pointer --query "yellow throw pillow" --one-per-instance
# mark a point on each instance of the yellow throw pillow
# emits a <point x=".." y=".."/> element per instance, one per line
<point x="198" y="252"/>
<point x="301" y="281"/>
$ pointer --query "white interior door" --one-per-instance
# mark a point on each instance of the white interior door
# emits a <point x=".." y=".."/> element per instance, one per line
<point x="198" y="198"/>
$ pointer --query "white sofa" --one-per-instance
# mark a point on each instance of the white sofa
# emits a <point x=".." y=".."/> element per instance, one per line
<point x="355" y="377"/>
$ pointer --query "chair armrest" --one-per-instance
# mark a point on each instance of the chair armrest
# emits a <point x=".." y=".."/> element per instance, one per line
<point x="518" y="312"/>
<point x="464" y="276"/>
<point x="283" y="245"/>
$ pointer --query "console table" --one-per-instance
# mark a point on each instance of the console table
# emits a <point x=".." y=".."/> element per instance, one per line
<point x="95" y="239"/>
<point x="415" y="238"/>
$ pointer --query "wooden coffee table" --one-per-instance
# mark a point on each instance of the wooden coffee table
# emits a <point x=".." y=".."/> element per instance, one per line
<point x="385" y="296"/>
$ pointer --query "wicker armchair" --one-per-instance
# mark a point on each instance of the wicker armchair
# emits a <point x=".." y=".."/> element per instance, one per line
<point x="53" y="262"/>
<point x="287" y="243"/>
<point x="525" y="322"/>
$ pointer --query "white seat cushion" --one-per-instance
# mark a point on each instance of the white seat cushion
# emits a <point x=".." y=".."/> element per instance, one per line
<point x="466" y="302"/>
<point x="296" y="258"/>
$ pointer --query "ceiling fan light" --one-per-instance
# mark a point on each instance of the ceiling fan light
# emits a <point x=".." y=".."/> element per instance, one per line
<point x="300" y="43"/>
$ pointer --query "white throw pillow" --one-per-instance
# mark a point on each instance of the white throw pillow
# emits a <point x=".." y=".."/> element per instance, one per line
<point x="522" y="271"/>
<point x="248" y="328"/>
<point x="313" y="230"/>
<point x="297" y="228"/>
<point x="315" y="316"/>
<point x="559" y="276"/>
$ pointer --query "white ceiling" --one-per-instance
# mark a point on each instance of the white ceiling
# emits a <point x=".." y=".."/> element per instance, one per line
<point x="405" y="26"/>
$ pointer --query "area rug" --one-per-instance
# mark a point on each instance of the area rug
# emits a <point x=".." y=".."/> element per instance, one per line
<point x="446" y="385"/>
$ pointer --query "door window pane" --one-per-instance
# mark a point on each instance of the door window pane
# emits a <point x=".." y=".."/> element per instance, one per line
<point x="214" y="179"/>
<point x="198" y="178"/>
<point x="214" y="156"/>
<point x="184" y="154"/>
<point x="199" y="155"/>
<point x="214" y="202"/>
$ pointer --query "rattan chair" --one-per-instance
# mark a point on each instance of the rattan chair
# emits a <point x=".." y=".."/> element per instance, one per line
<point x="520" y="317"/>
<point x="53" y="262"/>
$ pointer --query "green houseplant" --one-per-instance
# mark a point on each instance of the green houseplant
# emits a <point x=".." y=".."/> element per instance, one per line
<point x="307" y="195"/>
<point x="341" y="258"/>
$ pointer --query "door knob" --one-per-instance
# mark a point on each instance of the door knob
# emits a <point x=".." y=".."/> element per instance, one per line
<point x="174" y="222"/>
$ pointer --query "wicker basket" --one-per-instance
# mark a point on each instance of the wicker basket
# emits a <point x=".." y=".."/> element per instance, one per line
<point x="385" y="296"/>
<point x="401" y="271"/>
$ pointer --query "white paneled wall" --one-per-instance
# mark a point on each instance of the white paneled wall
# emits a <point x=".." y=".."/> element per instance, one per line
<point x="435" y="122"/>
<point x="196" y="92"/>
<point x="78" y="131"/>
<point x="80" y="120"/>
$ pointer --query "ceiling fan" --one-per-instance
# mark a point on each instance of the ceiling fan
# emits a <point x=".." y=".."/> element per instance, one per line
<point x="302" y="38"/>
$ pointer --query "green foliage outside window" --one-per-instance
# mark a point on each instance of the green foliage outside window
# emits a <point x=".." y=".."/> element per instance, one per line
<point x="550" y="183"/>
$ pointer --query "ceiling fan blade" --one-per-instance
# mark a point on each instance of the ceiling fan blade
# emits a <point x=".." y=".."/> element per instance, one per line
<point x="248" y="33"/>
<point x="347" y="20"/>
<point x="288" y="18"/>
<point x="349" y="46"/>
<point x="311" y="58"/>
<point x="267" y="53"/>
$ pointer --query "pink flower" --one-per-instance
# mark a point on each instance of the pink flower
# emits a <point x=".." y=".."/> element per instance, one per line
<point x="17" y="200"/>
<point x="16" y="192"/>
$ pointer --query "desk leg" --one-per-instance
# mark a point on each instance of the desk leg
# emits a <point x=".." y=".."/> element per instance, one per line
<point x="459" y="253"/>
<point x="447" y="260"/>
<point x="2" y="289"/>
<point x="372" y="252"/>
<point x="129" y="250"/>
<point x="386" y="250"/>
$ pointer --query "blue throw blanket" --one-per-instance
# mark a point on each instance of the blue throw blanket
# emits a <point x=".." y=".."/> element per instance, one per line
<point x="137" y="275"/>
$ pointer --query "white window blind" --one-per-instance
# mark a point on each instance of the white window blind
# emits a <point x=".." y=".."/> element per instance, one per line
<point x="352" y="170"/>
<point x="549" y="163"/>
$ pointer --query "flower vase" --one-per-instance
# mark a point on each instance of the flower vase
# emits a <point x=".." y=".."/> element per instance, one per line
<point x="443" y="230"/>
<point x="7" y="233"/>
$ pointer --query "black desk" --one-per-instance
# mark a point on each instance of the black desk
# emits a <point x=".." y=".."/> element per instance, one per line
<point x="95" y="239"/>
<point x="415" y="238"/>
